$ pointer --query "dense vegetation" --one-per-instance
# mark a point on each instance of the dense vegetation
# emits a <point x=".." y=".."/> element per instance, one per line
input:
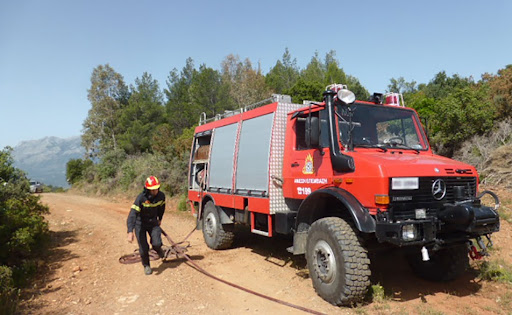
<point x="137" y="130"/>
<point x="23" y="232"/>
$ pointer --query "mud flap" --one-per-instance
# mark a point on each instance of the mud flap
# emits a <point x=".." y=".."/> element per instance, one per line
<point x="299" y="243"/>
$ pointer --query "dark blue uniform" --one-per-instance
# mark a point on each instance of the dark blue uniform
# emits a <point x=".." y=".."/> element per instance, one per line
<point x="144" y="216"/>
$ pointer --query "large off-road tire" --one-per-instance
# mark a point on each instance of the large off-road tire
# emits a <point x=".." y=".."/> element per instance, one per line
<point x="444" y="265"/>
<point x="216" y="235"/>
<point x="338" y="264"/>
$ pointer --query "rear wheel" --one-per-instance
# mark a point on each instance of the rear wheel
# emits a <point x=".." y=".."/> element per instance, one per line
<point x="338" y="263"/>
<point x="444" y="265"/>
<point x="216" y="235"/>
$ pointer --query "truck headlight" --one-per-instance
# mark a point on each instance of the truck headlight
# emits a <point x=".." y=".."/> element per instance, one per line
<point x="409" y="232"/>
<point x="405" y="183"/>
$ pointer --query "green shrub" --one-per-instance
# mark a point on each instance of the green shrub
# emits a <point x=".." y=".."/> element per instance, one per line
<point x="182" y="204"/>
<point x="8" y="293"/>
<point x="117" y="172"/>
<point x="110" y="163"/>
<point x="23" y="232"/>
<point x="172" y="174"/>
<point x="128" y="173"/>
<point x="176" y="176"/>
<point x="377" y="293"/>
<point x="75" y="170"/>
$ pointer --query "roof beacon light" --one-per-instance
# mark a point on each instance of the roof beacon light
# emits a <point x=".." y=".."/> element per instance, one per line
<point x="395" y="99"/>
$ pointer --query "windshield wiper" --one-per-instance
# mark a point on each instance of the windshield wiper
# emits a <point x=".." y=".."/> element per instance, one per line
<point x="372" y="146"/>
<point x="403" y="146"/>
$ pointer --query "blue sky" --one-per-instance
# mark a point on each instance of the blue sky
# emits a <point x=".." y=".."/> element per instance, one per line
<point x="49" y="48"/>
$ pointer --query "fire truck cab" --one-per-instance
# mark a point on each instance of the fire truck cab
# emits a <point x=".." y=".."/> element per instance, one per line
<point x="341" y="176"/>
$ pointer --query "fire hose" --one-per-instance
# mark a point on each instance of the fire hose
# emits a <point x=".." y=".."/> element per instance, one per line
<point x="176" y="249"/>
<point x="179" y="250"/>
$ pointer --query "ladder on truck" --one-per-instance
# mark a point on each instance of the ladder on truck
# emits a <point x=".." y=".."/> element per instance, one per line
<point x="281" y="98"/>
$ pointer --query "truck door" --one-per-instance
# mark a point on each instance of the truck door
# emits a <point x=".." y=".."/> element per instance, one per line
<point x="306" y="167"/>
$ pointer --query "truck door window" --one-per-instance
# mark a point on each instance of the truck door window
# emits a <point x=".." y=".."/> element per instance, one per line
<point x="300" y="133"/>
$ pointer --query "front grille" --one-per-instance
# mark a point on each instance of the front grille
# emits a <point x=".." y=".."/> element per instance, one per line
<point x="404" y="202"/>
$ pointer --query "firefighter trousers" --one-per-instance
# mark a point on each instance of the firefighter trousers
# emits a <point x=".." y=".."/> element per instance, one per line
<point x="155" y="234"/>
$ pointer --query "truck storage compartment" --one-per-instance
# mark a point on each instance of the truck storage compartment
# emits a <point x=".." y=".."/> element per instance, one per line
<point x="222" y="158"/>
<point x="253" y="156"/>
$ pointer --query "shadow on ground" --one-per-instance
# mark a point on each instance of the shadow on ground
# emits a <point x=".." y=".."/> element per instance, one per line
<point x="389" y="268"/>
<point x="173" y="262"/>
<point x="56" y="254"/>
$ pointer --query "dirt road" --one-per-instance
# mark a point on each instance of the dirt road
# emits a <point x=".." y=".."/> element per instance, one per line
<point x="83" y="275"/>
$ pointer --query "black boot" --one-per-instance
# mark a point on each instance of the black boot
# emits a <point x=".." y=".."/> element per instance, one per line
<point x="160" y="252"/>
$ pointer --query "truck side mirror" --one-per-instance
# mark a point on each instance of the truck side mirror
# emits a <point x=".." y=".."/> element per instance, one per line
<point x="312" y="132"/>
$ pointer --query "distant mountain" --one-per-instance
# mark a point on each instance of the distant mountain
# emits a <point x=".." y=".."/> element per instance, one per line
<point x="45" y="159"/>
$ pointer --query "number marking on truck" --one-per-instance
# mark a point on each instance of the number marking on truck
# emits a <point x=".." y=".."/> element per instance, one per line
<point x="304" y="190"/>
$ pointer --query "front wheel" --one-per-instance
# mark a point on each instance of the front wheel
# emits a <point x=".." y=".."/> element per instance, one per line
<point x="216" y="235"/>
<point x="338" y="264"/>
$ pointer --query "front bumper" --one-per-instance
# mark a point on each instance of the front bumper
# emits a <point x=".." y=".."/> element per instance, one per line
<point x="453" y="223"/>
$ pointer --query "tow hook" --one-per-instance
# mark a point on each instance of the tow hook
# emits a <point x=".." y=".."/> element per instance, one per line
<point x="474" y="253"/>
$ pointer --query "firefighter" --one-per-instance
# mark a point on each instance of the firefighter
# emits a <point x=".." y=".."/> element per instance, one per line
<point x="145" y="217"/>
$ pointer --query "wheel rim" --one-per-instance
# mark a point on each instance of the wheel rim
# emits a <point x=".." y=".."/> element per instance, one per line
<point x="324" y="262"/>
<point x="210" y="225"/>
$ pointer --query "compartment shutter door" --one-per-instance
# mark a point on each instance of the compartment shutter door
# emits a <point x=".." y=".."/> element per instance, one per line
<point x="253" y="154"/>
<point x="222" y="156"/>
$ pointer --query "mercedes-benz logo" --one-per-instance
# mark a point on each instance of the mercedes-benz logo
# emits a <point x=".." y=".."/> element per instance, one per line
<point x="438" y="189"/>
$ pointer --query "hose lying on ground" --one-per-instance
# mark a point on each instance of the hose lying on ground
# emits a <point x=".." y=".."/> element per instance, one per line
<point x="176" y="249"/>
<point x="179" y="250"/>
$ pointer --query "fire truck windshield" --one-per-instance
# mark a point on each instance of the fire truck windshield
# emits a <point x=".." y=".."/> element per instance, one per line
<point x="379" y="126"/>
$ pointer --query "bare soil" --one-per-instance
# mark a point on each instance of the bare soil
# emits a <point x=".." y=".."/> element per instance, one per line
<point x="82" y="274"/>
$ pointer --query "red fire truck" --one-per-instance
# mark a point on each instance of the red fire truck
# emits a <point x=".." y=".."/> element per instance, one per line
<point x="342" y="177"/>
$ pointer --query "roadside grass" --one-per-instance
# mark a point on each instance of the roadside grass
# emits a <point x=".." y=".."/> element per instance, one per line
<point x="496" y="270"/>
<point x="376" y="293"/>
<point x="491" y="309"/>
<point x="375" y="301"/>
<point x="53" y="189"/>
<point x="505" y="211"/>
<point x="499" y="271"/>
<point x="470" y="310"/>
<point x="505" y="301"/>
<point x="182" y="203"/>
<point x="360" y="310"/>
<point x="427" y="310"/>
